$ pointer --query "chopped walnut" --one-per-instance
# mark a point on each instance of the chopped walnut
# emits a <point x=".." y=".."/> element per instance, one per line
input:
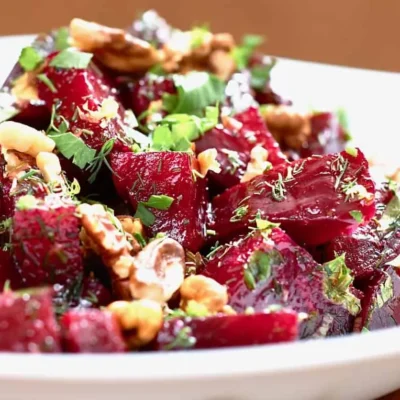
<point x="131" y="225"/>
<point x="158" y="270"/>
<point x="208" y="162"/>
<point x="205" y="291"/>
<point x="287" y="125"/>
<point x="114" y="47"/>
<point x="258" y="163"/>
<point x="140" y="320"/>
<point x="25" y="88"/>
<point x="105" y="239"/>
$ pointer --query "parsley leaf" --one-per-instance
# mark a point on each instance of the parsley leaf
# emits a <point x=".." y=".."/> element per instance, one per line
<point x="72" y="147"/>
<point x="160" y="202"/>
<point x="199" y="35"/>
<point x="70" y="58"/>
<point x="26" y="202"/>
<point x="196" y="90"/>
<point x="146" y="216"/>
<point x="46" y="80"/>
<point x="101" y="158"/>
<point x="260" y="75"/>
<point x="357" y="215"/>
<point x="61" y="39"/>
<point x="30" y="58"/>
<point x="241" y="54"/>
<point x="337" y="283"/>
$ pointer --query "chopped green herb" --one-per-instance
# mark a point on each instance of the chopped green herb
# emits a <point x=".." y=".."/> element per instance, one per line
<point x="339" y="165"/>
<point x="214" y="249"/>
<point x="177" y="313"/>
<point x="5" y="225"/>
<point x="199" y="35"/>
<point x="234" y="160"/>
<point x="101" y="158"/>
<point x="28" y="175"/>
<point x="259" y="267"/>
<point x="7" y="286"/>
<point x="92" y="298"/>
<point x="357" y="215"/>
<point x="260" y="75"/>
<point x="196" y="310"/>
<point x="196" y="91"/>
<point x="337" y="283"/>
<point x="344" y="122"/>
<point x="160" y="202"/>
<point x="146" y="216"/>
<point x="183" y="340"/>
<point x="74" y="188"/>
<point x="61" y="39"/>
<point x="385" y="292"/>
<point x="157" y="70"/>
<point x="71" y="58"/>
<point x="239" y="213"/>
<point x="364" y="330"/>
<point x="30" y="59"/>
<point x="352" y="151"/>
<point x="46" y="80"/>
<point x="278" y="191"/>
<point x="211" y="232"/>
<point x="140" y="239"/>
<point x="26" y="202"/>
<point x="241" y="54"/>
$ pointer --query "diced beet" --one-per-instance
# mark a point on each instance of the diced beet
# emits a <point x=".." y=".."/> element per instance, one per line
<point x="327" y="135"/>
<point x="46" y="244"/>
<point x="8" y="272"/>
<point x="381" y="303"/>
<point x="309" y="198"/>
<point x="290" y="278"/>
<point x="91" y="331"/>
<point x="28" y="323"/>
<point x="363" y="250"/>
<point x="228" y="331"/>
<point x="83" y="89"/>
<point x="268" y="96"/>
<point x="138" y="95"/>
<point x="256" y="132"/>
<point x="139" y="176"/>
<point x="236" y="145"/>
<point x="94" y="293"/>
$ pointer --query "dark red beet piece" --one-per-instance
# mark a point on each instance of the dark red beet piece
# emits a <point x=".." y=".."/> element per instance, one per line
<point x="84" y="89"/>
<point x="228" y="331"/>
<point x="46" y="244"/>
<point x="234" y="147"/>
<point x="260" y="272"/>
<point x="381" y="303"/>
<point x="91" y="331"/>
<point x="94" y="293"/>
<point x="28" y="323"/>
<point x="327" y="135"/>
<point x="139" y="176"/>
<point x="311" y="199"/>
<point x="138" y="95"/>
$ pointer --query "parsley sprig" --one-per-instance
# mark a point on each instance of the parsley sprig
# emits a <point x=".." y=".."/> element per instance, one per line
<point x="158" y="202"/>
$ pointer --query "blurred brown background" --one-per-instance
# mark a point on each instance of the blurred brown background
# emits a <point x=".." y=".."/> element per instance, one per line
<point x="362" y="33"/>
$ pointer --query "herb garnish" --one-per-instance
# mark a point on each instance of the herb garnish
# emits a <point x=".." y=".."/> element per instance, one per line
<point x="159" y="202"/>
<point x="30" y="59"/>
<point x="384" y="293"/>
<point x="182" y="340"/>
<point x="234" y="160"/>
<point x="101" y="158"/>
<point x="61" y="39"/>
<point x="196" y="91"/>
<point x="71" y="58"/>
<point x="241" y="54"/>
<point x="357" y="215"/>
<point x="239" y="213"/>
<point x="46" y="80"/>
<point x="260" y="75"/>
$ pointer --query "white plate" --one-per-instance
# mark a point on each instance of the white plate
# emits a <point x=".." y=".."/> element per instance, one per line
<point x="354" y="367"/>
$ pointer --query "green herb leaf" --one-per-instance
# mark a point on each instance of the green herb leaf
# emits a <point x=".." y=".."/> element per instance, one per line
<point x="239" y="213"/>
<point x="241" y="54"/>
<point x="352" y="151"/>
<point x="5" y="225"/>
<point x="46" y="80"/>
<point x="26" y="202"/>
<point x="72" y="147"/>
<point x="71" y="58"/>
<point x="199" y="35"/>
<point x="182" y="340"/>
<point x="61" y="39"/>
<point x="196" y="310"/>
<point x="30" y="58"/>
<point x="357" y="215"/>
<point x="146" y="216"/>
<point x="162" y="139"/>
<point x="160" y="202"/>
<point x="344" y="122"/>
<point x="385" y="292"/>
<point x="140" y="239"/>
<point x="337" y="283"/>
<point x="196" y="90"/>
<point x="260" y="75"/>
<point x="100" y="159"/>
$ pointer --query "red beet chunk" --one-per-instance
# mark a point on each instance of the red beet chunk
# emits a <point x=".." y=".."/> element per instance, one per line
<point x="228" y="331"/>
<point x="256" y="132"/>
<point x="28" y="323"/>
<point x="91" y="331"/>
<point x="138" y="95"/>
<point x="139" y="176"/>
<point x="310" y="198"/>
<point x="381" y="303"/>
<point x="268" y="96"/>
<point x="46" y="244"/>
<point x="83" y="89"/>
<point x="327" y="135"/>
<point x="260" y="272"/>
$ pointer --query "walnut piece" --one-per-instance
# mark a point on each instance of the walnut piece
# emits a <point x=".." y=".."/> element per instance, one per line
<point x="258" y="163"/>
<point x="158" y="270"/>
<point x="287" y="125"/>
<point x="142" y="317"/>
<point x="205" y="291"/>
<point x="114" y="47"/>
